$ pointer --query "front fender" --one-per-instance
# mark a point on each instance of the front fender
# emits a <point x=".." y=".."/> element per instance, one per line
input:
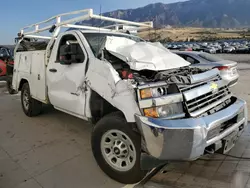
<point x="104" y="80"/>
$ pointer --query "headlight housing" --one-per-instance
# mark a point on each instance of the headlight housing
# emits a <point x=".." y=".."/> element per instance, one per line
<point x="164" y="111"/>
<point x="153" y="92"/>
<point x="161" y="101"/>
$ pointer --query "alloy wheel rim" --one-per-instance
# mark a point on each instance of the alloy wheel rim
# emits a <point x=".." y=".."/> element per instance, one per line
<point x="118" y="150"/>
<point x="26" y="102"/>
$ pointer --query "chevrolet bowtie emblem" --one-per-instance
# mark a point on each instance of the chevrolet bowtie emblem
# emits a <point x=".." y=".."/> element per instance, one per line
<point x="214" y="86"/>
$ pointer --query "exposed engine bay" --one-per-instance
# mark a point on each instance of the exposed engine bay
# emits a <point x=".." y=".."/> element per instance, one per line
<point x="177" y="81"/>
<point x="172" y="76"/>
<point x="152" y="62"/>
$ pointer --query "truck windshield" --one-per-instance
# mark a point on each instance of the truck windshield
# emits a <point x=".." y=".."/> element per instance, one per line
<point x="97" y="40"/>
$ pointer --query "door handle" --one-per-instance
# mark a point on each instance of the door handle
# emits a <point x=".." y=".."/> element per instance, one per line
<point x="52" y="70"/>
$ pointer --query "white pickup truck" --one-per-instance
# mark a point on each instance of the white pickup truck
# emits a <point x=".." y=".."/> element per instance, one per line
<point x="145" y="102"/>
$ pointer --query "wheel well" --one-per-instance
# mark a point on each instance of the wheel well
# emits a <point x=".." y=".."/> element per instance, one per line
<point x="23" y="81"/>
<point x="99" y="107"/>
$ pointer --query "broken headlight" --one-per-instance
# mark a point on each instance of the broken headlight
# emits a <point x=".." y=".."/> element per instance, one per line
<point x="164" y="111"/>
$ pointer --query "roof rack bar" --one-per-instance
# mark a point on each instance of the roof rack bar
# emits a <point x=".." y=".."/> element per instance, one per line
<point x="59" y="15"/>
<point x="87" y="14"/>
<point x="132" y="28"/>
<point x="120" y="21"/>
<point x="39" y="30"/>
<point x="114" y="25"/>
<point x="37" y="37"/>
<point x="73" y="20"/>
<point x="85" y="27"/>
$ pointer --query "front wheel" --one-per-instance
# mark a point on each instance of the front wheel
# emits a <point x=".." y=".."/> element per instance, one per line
<point x="117" y="149"/>
<point x="31" y="107"/>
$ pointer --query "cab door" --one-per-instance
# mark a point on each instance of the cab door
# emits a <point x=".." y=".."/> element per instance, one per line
<point x="65" y="79"/>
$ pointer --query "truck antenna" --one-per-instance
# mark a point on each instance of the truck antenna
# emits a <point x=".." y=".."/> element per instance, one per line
<point x="100" y="18"/>
<point x="99" y="38"/>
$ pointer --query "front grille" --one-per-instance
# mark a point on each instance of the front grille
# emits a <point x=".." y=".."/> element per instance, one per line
<point x="193" y="86"/>
<point x="206" y="99"/>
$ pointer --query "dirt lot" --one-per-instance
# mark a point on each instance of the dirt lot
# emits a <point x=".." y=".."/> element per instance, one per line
<point x="190" y="33"/>
<point x="53" y="151"/>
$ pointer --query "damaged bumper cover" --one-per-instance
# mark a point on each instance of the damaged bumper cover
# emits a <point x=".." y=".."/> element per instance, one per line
<point x="186" y="139"/>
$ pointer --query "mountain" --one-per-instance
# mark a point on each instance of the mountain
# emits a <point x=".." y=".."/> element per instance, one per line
<point x="197" y="13"/>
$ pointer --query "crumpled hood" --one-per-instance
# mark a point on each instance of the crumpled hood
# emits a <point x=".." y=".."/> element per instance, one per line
<point x="144" y="55"/>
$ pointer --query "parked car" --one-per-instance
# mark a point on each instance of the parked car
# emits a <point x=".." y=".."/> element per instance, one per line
<point x="6" y="66"/>
<point x="228" y="69"/>
<point x="6" y="53"/>
<point x="210" y="50"/>
<point x="2" y="70"/>
<point x="242" y="49"/>
<point x="226" y="46"/>
<point x="229" y="49"/>
<point x="186" y="48"/>
<point x="146" y="104"/>
<point x="4" y="58"/>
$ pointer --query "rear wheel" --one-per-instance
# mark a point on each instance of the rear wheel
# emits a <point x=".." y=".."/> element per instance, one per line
<point x="31" y="107"/>
<point x="117" y="149"/>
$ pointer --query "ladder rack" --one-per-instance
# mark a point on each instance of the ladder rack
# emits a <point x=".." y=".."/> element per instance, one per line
<point x="33" y="30"/>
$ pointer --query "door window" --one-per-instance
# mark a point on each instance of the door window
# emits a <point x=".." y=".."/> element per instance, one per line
<point x="69" y="51"/>
<point x="192" y="60"/>
<point x="189" y="58"/>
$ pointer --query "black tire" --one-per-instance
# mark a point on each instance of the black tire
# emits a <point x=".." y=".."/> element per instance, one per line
<point x="35" y="107"/>
<point x="116" y="121"/>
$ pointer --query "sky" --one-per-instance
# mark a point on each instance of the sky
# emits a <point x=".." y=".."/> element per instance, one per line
<point x="16" y="14"/>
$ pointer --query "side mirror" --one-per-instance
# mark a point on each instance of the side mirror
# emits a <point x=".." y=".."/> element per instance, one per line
<point x="71" y="53"/>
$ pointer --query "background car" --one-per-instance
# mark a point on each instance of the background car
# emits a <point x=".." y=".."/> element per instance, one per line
<point x="6" y="57"/>
<point x="229" y="49"/>
<point x="203" y="60"/>
<point x="6" y="66"/>
<point x="221" y="46"/>
<point x="2" y="70"/>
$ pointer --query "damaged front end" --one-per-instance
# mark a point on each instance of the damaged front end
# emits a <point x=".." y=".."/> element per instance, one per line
<point x="184" y="115"/>
<point x="182" y="111"/>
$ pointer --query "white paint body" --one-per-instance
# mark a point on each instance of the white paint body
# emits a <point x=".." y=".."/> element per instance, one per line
<point x="31" y="66"/>
<point x="69" y="88"/>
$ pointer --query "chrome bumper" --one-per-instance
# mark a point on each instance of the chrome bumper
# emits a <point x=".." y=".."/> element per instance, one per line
<point x="186" y="139"/>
